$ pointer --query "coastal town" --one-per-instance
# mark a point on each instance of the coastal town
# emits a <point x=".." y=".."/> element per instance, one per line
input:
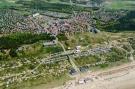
<point x="67" y="44"/>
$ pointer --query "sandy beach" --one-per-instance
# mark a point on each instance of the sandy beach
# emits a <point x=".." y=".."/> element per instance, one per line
<point x="122" y="77"/>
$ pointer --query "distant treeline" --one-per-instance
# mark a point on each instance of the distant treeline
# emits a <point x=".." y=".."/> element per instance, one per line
<point x="43" y="5"/>
<point x="126" y="23"/>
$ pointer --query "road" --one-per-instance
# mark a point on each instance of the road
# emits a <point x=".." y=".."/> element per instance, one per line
<point x="69" y="58"/>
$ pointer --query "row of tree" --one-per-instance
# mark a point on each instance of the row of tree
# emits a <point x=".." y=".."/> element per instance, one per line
<point x="18" y="39"/>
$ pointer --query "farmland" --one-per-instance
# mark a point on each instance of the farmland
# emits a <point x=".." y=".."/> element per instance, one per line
<point x="120" y="4"/>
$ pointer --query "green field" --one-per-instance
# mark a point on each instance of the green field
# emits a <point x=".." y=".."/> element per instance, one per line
<point x="121" y="4"/>
<point x="7" y="3"/>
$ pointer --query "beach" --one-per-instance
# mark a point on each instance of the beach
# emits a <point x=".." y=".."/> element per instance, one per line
<point x="122" y="77"/>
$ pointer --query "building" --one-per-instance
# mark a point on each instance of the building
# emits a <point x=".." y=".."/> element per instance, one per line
<point x="50" y="43"/>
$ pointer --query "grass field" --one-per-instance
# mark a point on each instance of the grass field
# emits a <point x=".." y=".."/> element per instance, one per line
<point x="7" y="3"/>
<point x="120" y="4"/>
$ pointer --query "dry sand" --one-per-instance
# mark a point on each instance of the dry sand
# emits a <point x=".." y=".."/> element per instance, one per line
<point x="124" y="79"/>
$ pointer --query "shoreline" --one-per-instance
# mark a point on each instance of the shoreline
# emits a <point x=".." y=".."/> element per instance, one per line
<point x="121" y="77"/>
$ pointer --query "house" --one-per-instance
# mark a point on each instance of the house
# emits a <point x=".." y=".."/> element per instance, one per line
<point x="50" y="43"/>
<point x="78" y="49"/>
<point x="36" y="14"/>
<point x="72" y="71"/>
<point x="94" y="30"/>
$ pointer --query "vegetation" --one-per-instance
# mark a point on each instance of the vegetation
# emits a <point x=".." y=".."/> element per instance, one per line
<point x="43" y="5"/>
<point x="18" y="39"/>
<point x="132" y="42"/>
<point x="82" y="61"/>
<point x="24" y="45"/>
<point x="85" y="39"/>
<point x="23" y="51"/>
<point x="116" y="55"/>
<point x="50" y="72"/>
<point x="7" y="3"/>
<point x="120" y="4"/>
<point x="125" y="23"/>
